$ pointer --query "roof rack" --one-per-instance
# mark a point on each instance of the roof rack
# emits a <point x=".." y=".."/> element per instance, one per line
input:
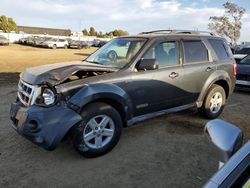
<point x="177" y="32"/>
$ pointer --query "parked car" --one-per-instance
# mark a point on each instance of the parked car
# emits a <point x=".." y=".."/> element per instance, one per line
<point x="92" y="100"/>
<point x="3" y="40"/>
<point x="96" y="42"/>
<point x="234" y="168"/>
<point x="40" y="40"/>
<point x="241" y="53"/>
<point x="30" y="40"/>
<point x="243" y="72"/>
<point x="79" y="44"/>
<point x="102" y="43"/>
<point x="22" y="41"/>
<point x="55" y="43"/>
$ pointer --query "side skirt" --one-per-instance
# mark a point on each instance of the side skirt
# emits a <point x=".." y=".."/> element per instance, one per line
<point x="159" y="113"/>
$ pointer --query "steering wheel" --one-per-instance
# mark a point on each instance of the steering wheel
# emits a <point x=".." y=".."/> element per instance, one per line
<point x="112" y="55"/>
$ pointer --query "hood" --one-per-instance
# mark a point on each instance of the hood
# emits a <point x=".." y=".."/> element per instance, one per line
<point x="59" y="72"/>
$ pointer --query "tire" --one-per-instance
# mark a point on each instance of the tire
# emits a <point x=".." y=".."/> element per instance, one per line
<point x="54" y="46"/>
<point x="90" y="142"/>
<point x="214" y="102"/>
<point x="65" y="46"/>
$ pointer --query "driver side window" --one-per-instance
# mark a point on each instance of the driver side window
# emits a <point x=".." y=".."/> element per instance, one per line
<point x="165" y="53"/>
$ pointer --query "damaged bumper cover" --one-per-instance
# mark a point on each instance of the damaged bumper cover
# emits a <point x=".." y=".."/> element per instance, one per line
<point x="44" y="126"/>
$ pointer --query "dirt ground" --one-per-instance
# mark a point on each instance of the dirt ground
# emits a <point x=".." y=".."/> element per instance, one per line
<point x="15" y="58"/>
<point x="168" y="151"/>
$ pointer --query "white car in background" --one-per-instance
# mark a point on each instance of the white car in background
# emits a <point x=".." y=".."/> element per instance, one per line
<point x="55" y="43"/>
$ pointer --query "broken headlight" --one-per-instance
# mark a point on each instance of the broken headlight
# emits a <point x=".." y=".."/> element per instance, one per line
<point x="48" y="96"/>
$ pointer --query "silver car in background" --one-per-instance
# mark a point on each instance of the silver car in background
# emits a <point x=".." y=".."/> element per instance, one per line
<point x="4" y="41"/>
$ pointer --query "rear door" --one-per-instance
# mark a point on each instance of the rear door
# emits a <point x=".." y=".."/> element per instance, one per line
<point x="197" y="67"/>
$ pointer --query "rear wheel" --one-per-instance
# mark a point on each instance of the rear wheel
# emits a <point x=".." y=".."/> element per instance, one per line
<point x="54" y="46"/>
<point x="65" y="46"/>
<point x="214" y="102"/>
<point x="99" y="130"/>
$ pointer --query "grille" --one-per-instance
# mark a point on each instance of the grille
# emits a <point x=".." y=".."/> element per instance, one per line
<point x="26" y="93"/>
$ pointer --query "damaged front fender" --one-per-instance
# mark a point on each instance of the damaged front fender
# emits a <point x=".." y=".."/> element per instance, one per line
<point x="102" y="91"/>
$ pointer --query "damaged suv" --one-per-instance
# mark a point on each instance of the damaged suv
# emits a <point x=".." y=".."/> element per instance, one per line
<point x="130" y="79"/>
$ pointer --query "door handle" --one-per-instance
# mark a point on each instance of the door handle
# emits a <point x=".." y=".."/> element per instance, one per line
<point x="173" y="75"/>
<point x="208" y="69"/>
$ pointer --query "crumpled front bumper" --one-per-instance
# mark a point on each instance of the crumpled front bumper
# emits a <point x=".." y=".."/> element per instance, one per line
<point x="44" y="126"/>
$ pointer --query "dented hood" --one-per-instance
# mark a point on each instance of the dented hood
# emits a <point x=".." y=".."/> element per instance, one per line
<point x="57" y="73"/>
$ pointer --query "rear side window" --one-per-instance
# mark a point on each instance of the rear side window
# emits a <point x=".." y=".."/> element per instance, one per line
<point x="219" y="48"/>
<point x="195" y="51"/>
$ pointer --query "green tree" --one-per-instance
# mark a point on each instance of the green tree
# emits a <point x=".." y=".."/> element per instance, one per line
<point x="119" y="32"/>
<point x="7" y="24"/>
<point x="12" y="25"/>
<point x="229" y="24"/>
<point x="85" y="32"/>
<point x="4" y="23"/>
<point x="92" y="31"/>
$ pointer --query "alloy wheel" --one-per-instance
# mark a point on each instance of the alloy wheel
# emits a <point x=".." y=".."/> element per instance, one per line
<point x="98" y="131"/>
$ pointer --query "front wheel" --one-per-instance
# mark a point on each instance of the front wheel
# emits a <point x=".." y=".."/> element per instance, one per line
<point x="99" y="131"/>
<point x="214" y="102"/>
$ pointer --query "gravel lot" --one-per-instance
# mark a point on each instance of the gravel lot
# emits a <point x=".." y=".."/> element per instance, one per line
<point x="168" y="151"/>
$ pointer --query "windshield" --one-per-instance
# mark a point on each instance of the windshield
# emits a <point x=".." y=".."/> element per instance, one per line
<point x="117" y="53"/>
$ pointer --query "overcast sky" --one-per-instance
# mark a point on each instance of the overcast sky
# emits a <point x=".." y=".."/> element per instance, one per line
<point x="132" y="15"/>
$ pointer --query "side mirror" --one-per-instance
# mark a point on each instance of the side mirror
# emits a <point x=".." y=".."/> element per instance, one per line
<point x="225" y="138"/>
<point x="147" y="64"/>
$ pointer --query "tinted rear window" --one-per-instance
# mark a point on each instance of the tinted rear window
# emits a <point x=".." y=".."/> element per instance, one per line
<point x="219" y="48"/>
<point x="195" y="51"/>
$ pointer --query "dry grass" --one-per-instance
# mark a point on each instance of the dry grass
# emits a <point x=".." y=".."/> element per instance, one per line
<point x="15" y="58"/>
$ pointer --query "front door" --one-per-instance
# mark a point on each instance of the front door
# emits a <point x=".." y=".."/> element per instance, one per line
<point x="154" y="90"/>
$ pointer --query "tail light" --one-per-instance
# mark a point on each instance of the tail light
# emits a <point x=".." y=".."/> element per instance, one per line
<point x="234" y="69"/>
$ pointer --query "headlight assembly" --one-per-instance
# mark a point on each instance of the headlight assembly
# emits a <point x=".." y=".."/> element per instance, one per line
<point x="48" y="96"/>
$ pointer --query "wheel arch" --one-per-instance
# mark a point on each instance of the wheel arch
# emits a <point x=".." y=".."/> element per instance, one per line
<point x="220" y="78"/>
<point x="115" y="104"/>
<point x="107" y="93"/>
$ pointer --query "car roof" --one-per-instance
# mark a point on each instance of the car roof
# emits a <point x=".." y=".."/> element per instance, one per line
<point x="174" y="33"/>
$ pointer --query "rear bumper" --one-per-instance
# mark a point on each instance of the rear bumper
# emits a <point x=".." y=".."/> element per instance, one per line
<point x="45" y="127"/>
<point x="243" y="83"/>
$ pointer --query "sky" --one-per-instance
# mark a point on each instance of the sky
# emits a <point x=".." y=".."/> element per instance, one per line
<point x="132" y="15"/>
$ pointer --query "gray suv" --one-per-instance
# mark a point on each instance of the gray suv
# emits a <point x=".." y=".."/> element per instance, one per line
<point x="130" y="79"/>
